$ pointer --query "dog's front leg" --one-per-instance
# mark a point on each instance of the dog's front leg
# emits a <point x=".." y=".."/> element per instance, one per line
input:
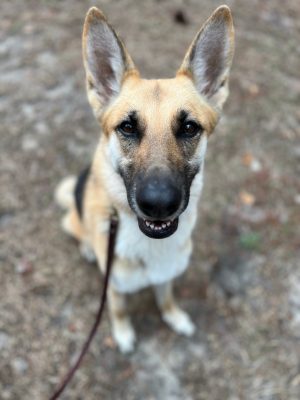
<point x="177" y="319"/>
<point x="122" y="329"/>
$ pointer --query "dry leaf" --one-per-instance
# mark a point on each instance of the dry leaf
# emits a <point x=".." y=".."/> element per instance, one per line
<point x="251" y="162"/>
<point x="72" y="327"/>
<point x="109" y="342"/>
<point x="247" y="159"/>
<point x="247" y="198"/>
<point x="253" y="89"/>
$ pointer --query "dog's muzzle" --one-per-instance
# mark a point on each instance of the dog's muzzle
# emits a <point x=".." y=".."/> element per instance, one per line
<point x="158" y="229"/>
<point x="158" y="198"/>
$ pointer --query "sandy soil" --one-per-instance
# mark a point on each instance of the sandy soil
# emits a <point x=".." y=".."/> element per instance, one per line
<point x="243" y="286"/>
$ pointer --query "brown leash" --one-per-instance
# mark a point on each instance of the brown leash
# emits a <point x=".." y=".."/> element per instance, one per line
<point x="110" y="255"/>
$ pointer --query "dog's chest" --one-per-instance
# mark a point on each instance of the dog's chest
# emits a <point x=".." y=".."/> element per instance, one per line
<point x="144" y="261"/>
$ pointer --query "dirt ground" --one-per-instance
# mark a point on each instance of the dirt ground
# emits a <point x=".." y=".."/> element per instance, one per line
<point x="243" y="285"/>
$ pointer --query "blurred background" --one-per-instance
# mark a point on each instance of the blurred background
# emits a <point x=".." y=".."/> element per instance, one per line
<point x="243" y="286"/>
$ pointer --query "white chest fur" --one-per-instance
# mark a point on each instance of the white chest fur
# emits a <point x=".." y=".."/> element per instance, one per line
<point x="146" y="261"/>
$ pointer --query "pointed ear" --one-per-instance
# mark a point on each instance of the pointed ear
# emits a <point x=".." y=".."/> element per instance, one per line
<point x="208" y="60"/>
<point x="106" y="60"/>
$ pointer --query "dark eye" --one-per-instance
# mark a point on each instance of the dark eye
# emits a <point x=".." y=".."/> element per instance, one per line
<point x="127" y="128"/>
<point x="190" y="129"/>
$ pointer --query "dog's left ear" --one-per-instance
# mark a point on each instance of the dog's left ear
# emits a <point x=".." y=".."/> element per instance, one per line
<point x="105" y="58"/>
<point x="208" y="60"/>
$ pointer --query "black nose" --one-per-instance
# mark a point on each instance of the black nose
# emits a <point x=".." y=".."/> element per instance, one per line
<point x="158" y="197"/>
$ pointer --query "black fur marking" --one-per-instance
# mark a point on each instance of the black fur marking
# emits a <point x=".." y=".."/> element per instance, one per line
<point x="79" y="189"/>
<point x="179" y="129"/>
<point x="182" y="116"/>
<point x="138" y="127"/>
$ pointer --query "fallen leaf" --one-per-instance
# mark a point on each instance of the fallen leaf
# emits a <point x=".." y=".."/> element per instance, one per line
<point x="247" y="159"/>
<point x="247" y="198"/>
<point x="109" y="342"/>
<point x="72" y="327"/>
<point x="251" y="162"/>
<point x="253" y="89"/>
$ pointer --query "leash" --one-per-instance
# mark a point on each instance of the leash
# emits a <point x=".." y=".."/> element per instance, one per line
<point x="110" y="255"/>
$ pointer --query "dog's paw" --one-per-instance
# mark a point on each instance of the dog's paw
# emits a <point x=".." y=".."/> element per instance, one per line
<point x="179" y="321"/>
<point x="124" y="336"/>
<point x="87" y="253"/>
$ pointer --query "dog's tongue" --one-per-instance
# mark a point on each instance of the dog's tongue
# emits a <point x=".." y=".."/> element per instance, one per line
<point x="158" y="229"/>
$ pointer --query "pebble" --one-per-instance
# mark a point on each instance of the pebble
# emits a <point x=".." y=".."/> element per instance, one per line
<point x="19" y="365"/>
<point x="29" y="143"/>
<point x="4" y="340"/>
<point x="23" y="267"/>
<point x="297" y="198"/>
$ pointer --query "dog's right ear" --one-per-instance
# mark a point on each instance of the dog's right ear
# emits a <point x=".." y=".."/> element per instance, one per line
<point x="106" y="60"/>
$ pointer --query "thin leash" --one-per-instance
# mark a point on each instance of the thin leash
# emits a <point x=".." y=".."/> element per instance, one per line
<point x="110" y="255"/>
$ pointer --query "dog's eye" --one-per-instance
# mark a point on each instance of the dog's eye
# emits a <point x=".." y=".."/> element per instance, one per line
<point x="127" y="128"/>
<point x="190" y="129"/>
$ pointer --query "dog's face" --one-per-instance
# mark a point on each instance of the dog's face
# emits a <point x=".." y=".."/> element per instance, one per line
<point x="156" y="130"/>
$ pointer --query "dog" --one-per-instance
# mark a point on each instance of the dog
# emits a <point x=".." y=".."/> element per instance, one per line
<point x="148" y="165"/>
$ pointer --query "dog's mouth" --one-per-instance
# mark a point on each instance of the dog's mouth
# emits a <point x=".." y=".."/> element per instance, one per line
<point x="158" y="229"/>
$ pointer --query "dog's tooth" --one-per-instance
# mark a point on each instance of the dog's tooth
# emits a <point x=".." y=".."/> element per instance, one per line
<point x="164" y="225"/>
<point x="147" y="223"/>
<point x="168" y="223"/>
<point x="152" y="226"/>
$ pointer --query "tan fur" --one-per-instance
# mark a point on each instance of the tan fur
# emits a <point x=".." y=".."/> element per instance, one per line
<point x="72" y="225"/>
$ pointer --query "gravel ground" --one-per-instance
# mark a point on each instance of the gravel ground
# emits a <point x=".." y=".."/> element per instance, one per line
<point x="243" y="286"/>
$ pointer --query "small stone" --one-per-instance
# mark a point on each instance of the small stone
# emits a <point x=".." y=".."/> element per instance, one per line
<point x="24" y="267"/>
<point x="4" y="340"/>
<point x="255" y="166"/>
<point x="29" y="143"/>
<point x="6" y="218"/>
<point x="6" y="394"/>
<point x="28" y="111"/>
<point x="47" y="59"/>
<point x="20" y="365"/>
<point x="67" y="311"/>
<point x="296" y="151"/>
<point x="297" y="198"/>
<point x="41" y="128"/>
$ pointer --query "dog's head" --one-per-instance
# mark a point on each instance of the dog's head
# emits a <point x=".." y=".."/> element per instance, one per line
<point x="156" y="130"/>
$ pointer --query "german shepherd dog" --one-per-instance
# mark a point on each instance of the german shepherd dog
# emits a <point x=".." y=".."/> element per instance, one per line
<point x="148" y="164"/>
